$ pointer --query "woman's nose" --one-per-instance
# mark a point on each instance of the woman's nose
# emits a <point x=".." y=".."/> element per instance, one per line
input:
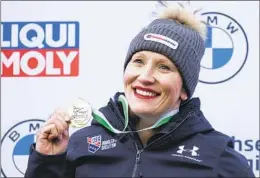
<point x="146" y="77"/>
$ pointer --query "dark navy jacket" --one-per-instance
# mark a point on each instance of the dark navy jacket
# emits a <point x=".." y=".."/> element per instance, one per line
<point x="188" y="146"/>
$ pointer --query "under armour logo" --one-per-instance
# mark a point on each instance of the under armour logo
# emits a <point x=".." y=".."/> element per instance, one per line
<point x="193" y="151"/>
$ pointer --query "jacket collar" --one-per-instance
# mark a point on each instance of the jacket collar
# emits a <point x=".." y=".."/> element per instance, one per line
<point x="189" y="119"/>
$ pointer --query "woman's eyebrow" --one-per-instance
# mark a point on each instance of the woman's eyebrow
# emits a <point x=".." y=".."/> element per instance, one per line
<point x="139" y="55"/>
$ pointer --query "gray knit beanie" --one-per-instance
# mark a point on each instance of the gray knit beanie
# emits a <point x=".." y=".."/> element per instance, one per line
<point x="183" y="45"/>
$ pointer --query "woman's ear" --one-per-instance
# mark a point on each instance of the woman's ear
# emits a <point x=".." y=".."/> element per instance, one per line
<point x="183" y="95"/>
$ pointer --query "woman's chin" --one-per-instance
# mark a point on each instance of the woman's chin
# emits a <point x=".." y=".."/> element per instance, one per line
<point x="144" y="113"/>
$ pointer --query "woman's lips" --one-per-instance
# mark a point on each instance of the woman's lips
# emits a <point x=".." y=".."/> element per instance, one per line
<point x="144" y="93"/>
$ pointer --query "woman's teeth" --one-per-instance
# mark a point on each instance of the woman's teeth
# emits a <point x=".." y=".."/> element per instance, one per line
<point x="145" y="93"/>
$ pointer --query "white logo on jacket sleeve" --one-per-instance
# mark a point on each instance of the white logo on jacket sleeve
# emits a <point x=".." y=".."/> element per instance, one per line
<point x="193" y="151"/>
<point x="187" y="153"/>
<point x="108" y="144"/>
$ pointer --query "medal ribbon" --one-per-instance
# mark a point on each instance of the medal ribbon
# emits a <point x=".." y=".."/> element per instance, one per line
<point x="101" y="119"/>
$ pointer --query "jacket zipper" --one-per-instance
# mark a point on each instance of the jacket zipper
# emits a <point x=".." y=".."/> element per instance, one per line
<point x="137" y="161"/>
<point x="138" y="153"/>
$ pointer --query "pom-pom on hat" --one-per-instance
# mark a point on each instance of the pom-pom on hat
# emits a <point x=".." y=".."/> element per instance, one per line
<point x="178" y="35"/>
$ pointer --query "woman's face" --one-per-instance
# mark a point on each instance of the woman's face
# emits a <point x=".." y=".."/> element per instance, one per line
<point x="153" y="84"/>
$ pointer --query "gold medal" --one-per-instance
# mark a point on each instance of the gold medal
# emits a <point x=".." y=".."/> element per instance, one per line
<point x="80" y="113"/>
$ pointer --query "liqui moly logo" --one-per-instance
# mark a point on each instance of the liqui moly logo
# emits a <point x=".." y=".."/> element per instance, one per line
<point x="39" y="49"/>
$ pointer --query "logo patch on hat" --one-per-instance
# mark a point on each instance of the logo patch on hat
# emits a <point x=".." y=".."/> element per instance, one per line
<point x="161" y="39"/>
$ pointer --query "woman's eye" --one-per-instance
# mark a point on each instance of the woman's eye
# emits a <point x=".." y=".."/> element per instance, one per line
<point x="164" y="67"/>
<point x="138" y="61"/>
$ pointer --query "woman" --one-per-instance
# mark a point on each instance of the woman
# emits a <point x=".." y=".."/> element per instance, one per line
<point x="167" y="134"/>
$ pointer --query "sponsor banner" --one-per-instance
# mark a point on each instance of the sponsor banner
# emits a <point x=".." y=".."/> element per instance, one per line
<point x="39" y="49"/>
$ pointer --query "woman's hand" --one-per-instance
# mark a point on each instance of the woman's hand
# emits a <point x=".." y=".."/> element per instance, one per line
<point x="53" y="137"/>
